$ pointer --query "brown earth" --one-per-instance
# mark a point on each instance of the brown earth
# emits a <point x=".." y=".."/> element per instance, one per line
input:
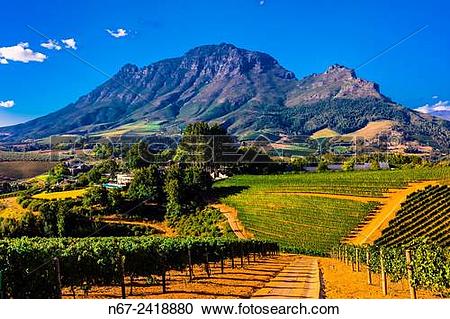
<point x="161" y="227"/>
<point x="390" y="205"/>
<point x="234" y="283"/>
<point x="340" y="282"/>
<point x="232" y="216"/>
<point x="300" y="279"/>
<point x="24" y="169"/>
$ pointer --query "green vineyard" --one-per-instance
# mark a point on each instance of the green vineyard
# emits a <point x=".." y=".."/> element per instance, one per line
<point x="429" y="263"/>
<point x="28" y="270"/>
<point x="278" y="207"/>
<point x="425" y="213"/>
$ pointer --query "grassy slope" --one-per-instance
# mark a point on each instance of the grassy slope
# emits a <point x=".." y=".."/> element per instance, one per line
<point x="269" y="207"/>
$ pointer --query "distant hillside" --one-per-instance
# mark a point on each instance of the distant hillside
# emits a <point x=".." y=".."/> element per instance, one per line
<point x="246" y="91"/>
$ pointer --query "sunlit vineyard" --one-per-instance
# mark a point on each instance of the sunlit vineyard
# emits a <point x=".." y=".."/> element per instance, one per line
<point x="28" y="268"/>
<point x="272" y="207"/>
<point x="430" y="262"/>
<point x="425" y="213"/>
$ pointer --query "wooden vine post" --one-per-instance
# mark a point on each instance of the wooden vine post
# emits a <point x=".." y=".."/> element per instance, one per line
<point x="409" y="268"/>
<point x="383" y="274"/>
<point x="1" y="285"/>
<point x="122" y="276"/>
<point x="222" y="268"/>
<point x="352" y="261"/>
<point x="232" y="257"/>
<point x="163" y="278"/>
<point x="208" y="272"/>
<point x="357" y="260"/>
<point x="58" y="277"/>
<point x="242" y="257"/>
<point x="369" y="273"/>
<point x="191" y="273"/>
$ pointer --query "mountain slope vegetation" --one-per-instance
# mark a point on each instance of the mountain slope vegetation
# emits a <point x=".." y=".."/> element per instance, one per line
<point x="245" y="91"/>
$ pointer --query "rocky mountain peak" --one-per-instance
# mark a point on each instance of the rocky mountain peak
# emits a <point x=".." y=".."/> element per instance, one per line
<point x="247" y="91"/>
<point x="337" y="70"/>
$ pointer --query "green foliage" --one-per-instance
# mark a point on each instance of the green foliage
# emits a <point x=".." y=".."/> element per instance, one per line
<point x="349" y="164"/>
<point x="103" y="151"/>
<point x="203" y="223"/>
<point x="147" y="185"/>
<point x="374" y="165"/>
<point x="138" y="156"/>
<point x="322" y="166"/>
<point x="271" y="207"/>
<point x="298" y="163"/>
<point x="424" y="213"/>
<point x="57" y="173"/>
<point x="96" y="196"/>
<point x="102" y="171"/>
<point x="430" y="263"/>
<point x="185" y="190"/>
<point x="95" y="261"/>
<point x="116" y="200"/>
<point x="204" y="144"/>
<point x="28" y="225"/>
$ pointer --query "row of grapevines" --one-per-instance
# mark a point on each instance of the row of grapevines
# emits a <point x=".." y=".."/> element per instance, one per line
<point x="430" y="262"/>
<point x="29" y="270"/>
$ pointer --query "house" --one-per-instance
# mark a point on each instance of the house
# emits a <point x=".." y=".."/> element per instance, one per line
<point x="76" y="166"/>
<point x="124" y="179"/>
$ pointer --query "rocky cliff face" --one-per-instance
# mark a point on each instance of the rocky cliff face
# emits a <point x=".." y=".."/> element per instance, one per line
<point x="246" y="91"/>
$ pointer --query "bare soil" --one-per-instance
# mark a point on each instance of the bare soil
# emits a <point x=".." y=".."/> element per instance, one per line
<point x="340" y="282"/>
<point x="240" y="282"/>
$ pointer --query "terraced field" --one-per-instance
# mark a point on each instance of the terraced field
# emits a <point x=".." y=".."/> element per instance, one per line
<point x="279" y="207"/>
<point x="424" y="213"/>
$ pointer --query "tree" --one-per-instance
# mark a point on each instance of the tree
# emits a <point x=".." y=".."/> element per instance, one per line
<point x="146" y="184"/>
<point x="298" y="163"/>
<point x="103" y="151"/>
<point x="322" y="166"/>
<point x="138" y="156"/>
<point x="349" y="165"/>
<point x="57" y="173"/>
<point x="205" y="145"/>
<point x="96" y="196"/>
<point x="115" y="200"/>
<point x="107" y="167"/>
<point x="374" y="165"/>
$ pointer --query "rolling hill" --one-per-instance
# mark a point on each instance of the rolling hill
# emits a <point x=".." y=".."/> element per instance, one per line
<point x="246" y="91"/>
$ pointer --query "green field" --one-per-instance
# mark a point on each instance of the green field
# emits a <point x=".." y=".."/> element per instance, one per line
<point x="270" y="208"/>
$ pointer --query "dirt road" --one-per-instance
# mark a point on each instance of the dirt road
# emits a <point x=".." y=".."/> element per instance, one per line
<point x="300" y="279"/>
<point x="232" y="216"/>
<point x="390" y="205"/>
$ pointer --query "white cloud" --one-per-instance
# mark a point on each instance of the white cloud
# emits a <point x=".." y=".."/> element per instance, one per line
<point x="70" y="43"/>
<point x="20" y="53"/>
<point x="434" y="97"/>
<point x="7" y="104"/>
<point x="51" y="45"/>
<point x="438" y="107"/>
<point x="118" y="34"/>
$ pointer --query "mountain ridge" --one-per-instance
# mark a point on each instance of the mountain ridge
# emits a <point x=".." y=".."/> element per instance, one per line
<point x="246" y="91"/>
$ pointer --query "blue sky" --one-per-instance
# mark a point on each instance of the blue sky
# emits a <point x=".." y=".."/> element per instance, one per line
<point x="305" y="36"/>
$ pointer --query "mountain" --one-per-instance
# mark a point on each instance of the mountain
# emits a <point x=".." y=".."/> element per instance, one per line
<point x="440" y="109"/>
<point x="248" y="92"/>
